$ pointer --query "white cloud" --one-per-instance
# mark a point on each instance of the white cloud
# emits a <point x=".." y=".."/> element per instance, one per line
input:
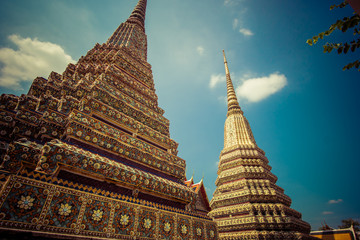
<point x="257" y="89"/>
<point x="327" y="213"/>
<point x="235" y="23"/>
<point x="246" y="32"/>
<point x="215" y="79"/>
<point x="223" y="99"/>
<point x="231" y="2"/>
<point x="33" y="58"/>
<point x="200" y="50"/>
<point x="335" y="201"/>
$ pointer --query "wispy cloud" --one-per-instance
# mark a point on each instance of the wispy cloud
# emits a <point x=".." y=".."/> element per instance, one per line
<point x="215" y="79"/>
<point x="327" y="213"/>
<point x="232" y="2"/>
<point x="223" y="99"/>
<point x="257" y="89"/>
<point x="200" y="50"/>
<point x="246" y="32"/>
<point x="33" y="58"/>
<point x="235" y="23"/>
<point x="335" y="201"/>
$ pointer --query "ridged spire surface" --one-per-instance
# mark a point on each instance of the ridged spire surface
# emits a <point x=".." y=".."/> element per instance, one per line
<point x="233" y="104"/>
<point x="237" y="130"/>
<point x="138" y="15"/>
<point x="131" y="34"/>
<point x="247" y="203"/>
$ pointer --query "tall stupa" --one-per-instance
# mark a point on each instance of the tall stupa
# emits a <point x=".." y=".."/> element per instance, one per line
<point x="247" y="203"/>
<point x="87" y="154"/>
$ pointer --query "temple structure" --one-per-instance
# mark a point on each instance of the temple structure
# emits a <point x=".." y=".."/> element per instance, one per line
<point x="247" y="203"/>
<point x="87" y="153"/>
<point x="336" y="234"/>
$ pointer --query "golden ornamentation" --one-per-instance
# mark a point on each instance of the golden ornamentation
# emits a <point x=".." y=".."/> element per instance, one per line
<point x="65" y="209"/>
<point x="26" y="202"/>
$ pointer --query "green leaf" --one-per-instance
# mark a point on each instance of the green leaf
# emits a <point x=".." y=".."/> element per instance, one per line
<point x="355" y="64"/>
<point x="315" y="39"/>
<point x="310" y="42"/>
<point x="341" y="5"/>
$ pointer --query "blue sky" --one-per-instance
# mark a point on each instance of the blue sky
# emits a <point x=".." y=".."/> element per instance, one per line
<point x="304" y="111"/>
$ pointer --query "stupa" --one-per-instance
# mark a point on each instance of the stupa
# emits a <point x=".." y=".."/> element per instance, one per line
<point x="247" y="203"/>
<point x="87" y="154"/>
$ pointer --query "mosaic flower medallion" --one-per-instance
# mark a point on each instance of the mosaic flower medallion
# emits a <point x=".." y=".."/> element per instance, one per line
<point x="97" y="215"/>
<point x="147" y="223"/>
<point x="124" y="220"/>
<point x="25" y="202"/>
<point x="167" y="227"/>
<point x="65" y="209"/>
<point x="184" y="229"/>
<point x="198" y="231"/>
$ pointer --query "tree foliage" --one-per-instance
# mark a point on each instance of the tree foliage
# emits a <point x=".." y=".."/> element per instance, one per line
<point x="343" y="25"/>
<point x="346" y="223"/>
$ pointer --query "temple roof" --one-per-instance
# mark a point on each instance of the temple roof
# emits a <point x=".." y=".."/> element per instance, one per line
<point x="345" y="234"/>
<point x="189" y="182"/>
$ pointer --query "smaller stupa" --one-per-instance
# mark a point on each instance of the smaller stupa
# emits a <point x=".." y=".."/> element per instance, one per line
<point x="247" y="203"/>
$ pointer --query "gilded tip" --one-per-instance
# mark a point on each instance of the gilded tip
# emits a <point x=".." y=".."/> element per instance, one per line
<point x="224" y="56"/>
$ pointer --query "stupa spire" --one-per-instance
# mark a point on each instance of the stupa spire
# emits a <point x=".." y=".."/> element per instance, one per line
<point x="233" y="104"/>
<point x="138" y="14"/>
<point x="247" y="203"/>
<point x="237" y="131"/>
<point x="131" y="34"/>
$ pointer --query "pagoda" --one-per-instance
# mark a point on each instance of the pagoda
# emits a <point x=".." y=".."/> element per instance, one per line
<point x="87" y="154"/>
<point x="247" y="203"/>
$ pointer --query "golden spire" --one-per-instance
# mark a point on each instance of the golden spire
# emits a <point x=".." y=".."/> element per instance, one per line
<point x="237" y="130"/>
<point x="246" y="192"/>
<point x="233" y="104"/>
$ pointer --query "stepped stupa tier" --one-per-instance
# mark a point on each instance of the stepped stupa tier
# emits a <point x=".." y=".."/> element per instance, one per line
<point x="247" y="203"/>
<point x="87" y="153"/>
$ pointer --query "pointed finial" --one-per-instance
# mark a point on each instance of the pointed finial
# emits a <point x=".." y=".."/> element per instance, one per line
<point x="233" y="104"/>
<point x="226" y="65"/>
<point x="138" y="14"/>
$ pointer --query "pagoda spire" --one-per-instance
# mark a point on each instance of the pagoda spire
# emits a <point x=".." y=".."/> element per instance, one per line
<point x="131" y="34"/>
<point x="233" y="104"/>
<point x="247" y="203"/>
<point x="138" y="14"/>
<point x="237" y="130"/>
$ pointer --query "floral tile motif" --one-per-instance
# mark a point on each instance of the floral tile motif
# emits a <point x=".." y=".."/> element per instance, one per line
<point x="147" y="224"/>
<point x="184" y="229"/>
<point x="124" y="220"/>
<point x="26" y="198"/>
<point x="166" y="227"/>
<point x="211" y="232"/>
<point x="198" y="230"/>
<point x="96" y="215"/>
<point x="23" y="203"/>
<point x="64" y="210"/>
